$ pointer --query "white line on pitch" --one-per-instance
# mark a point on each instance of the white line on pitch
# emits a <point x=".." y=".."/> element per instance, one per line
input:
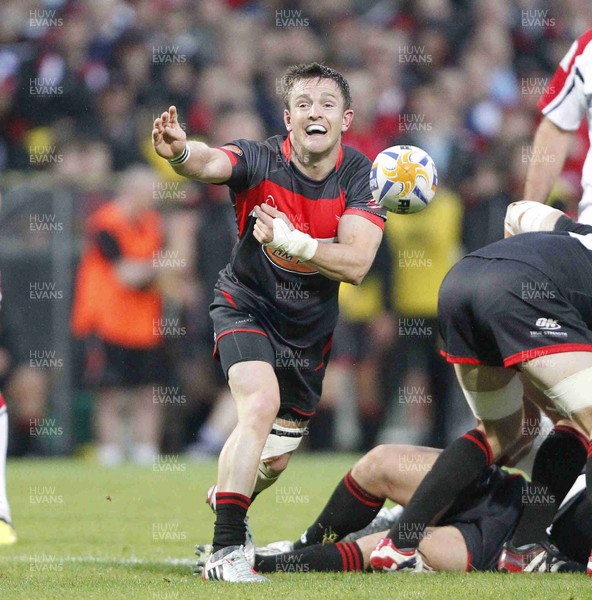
<point x="103" y="560"/>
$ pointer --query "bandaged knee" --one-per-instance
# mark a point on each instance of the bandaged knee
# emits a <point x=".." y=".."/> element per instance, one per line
<point x="498" y="404"/>
<point x="572" y="393"/>
<point x="281" y="440"/>
<point x="525" y="216"/>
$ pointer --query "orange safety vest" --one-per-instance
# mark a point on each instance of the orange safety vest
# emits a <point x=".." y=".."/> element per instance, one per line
<point x="103" y="306"/>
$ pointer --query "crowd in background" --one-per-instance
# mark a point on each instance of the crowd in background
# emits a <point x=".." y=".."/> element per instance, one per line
<point x="82" y="81"/>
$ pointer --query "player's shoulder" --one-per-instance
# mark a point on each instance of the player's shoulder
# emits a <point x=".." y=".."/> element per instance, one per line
<point x="579" y="54"/>
<point x="353" y="158"/>
<point x="353" y="167"/>
<point x="243" y="146"/>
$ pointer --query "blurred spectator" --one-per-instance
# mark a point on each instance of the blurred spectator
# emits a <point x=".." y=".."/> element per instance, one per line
<point x="118" y="312"/>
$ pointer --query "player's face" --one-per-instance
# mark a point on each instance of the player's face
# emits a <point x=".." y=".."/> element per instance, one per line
<point x="316" y="118"/>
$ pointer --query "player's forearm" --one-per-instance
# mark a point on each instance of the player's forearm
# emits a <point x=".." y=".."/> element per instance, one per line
<point x="195" y="164"/>
<point x="342" y="262"/>
<point x="546" y="160"/>
<point x="201" y="164"/>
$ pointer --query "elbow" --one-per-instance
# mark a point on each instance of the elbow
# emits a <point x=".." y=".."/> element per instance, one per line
<point x="355" y="277"/>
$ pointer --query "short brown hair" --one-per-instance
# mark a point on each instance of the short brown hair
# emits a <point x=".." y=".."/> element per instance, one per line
<point x="310" y="71"/>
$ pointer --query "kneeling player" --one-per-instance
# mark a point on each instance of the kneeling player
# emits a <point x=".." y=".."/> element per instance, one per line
<point x="520" y="304"/>
<point x="468" y="537"/>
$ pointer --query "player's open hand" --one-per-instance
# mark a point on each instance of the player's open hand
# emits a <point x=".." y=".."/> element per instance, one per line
<point x="263" y="230"/>
<point x="168" y="138"/>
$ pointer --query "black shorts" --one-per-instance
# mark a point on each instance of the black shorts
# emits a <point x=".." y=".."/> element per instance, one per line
<point x="240" y="337"/>
<point x="487" y="515"/>
<point x="109" y="365"/>
<point x="503" y="312"/>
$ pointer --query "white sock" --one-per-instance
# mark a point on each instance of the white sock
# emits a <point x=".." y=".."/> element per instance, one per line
<point x="4" y="508"/>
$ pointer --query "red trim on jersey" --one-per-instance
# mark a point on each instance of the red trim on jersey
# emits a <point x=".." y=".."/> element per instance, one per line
<point x="229" y="298"/>
<point x="573" y="431"/>
<point x="590" y="450"/>
<point x="558" y="80"/>
<point x="287" y="148"/>
<point x="319" y="367"/>
<point x="2" y="401"/>
<point x="544" y="350"/>
<point x="231" y="155"/>
<point x="469" y="561"/>
<point x="481" y="443"/>
<point x="339" y="157"/>
<point x="376" y="219"/>
<point x="219" y="337"/>
<point x="319" y="218"/>
<point x="460" y="360"/>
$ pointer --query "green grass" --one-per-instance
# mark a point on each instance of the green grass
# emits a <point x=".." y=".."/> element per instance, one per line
<point x="69" y="513"/>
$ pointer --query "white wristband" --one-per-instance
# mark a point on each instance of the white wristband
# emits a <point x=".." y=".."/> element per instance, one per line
<point x="182" y="158"/>
<point x="527" y="215"/>
<point x="293" y="242"/>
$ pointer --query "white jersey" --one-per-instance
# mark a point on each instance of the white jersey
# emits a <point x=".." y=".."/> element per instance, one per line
<point x="568" y="99"/>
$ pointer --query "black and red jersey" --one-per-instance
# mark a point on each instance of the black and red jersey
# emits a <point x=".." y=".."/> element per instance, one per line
<point x="288" y="295"/>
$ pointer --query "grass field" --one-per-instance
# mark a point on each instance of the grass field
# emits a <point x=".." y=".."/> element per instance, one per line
<point x="87" y="532"/>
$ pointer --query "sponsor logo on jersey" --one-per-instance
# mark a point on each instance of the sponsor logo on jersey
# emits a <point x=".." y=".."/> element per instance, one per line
<point x="287" y="262"/>
<point x="547" y="327"/>
<point x="545" y="323"/>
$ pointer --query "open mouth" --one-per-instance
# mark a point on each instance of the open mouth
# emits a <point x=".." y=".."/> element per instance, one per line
<point x="314" y="130"/>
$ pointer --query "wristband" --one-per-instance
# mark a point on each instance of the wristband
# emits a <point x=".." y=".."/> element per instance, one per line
<point x="526" y="215"/>
<point x="182" y="158"/>
<point x="293" y="242"/>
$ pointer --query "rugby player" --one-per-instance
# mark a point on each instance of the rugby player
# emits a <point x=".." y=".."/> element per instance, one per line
<point x="564" y="104"/>
<point x="468" y="537"/>
<point x="492" y="329"/>
<point x="306" y="222"/>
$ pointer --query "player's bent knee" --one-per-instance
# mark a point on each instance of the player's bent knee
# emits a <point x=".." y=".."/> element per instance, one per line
<point x="498" y="404"/>
<point x="258" y="409"/>
<point x="373" y="464"/>
<point x="277" y="464"/>
<point x="445" y="549"/>
<point x="571" y="396"/>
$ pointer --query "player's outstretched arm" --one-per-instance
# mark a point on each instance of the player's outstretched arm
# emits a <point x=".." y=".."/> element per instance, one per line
<point x="190" y="159"/>
<point x="546" y="160"/>
<point x="347" y="260"/>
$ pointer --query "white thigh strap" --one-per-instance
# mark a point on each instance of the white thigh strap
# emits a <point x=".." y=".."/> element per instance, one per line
<point x="282" y="440"/>
<point x="492" y="406"/>
<point x="572" y="393"/>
